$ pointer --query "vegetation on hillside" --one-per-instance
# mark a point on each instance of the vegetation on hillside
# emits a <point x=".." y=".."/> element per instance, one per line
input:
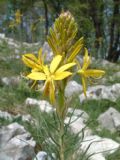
<point x="98" y="21"/>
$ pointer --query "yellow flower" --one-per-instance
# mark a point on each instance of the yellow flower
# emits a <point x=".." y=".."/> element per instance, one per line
<point x="18" y="16"/>
<point x="51" y="74"/>
<point x="36" y="64"/>
<point x="31" y="61"/>
<point x="17" y="19"/>
<point x="86" y="73"/>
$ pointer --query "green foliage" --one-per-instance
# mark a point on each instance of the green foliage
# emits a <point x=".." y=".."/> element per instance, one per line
<point x="4" y="122"/>
<point x="98" y="21"/>
<point x="46" y="135"/>
<point x="115" y="156"/>
<point x="13" y="96"/>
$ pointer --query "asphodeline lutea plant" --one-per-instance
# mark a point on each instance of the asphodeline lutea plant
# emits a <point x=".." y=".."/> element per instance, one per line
<point x="17" y="19"/>
<point x="61" y="69"/>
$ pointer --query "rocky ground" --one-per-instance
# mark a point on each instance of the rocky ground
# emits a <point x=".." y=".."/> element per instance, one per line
<point x="22" y="110"/>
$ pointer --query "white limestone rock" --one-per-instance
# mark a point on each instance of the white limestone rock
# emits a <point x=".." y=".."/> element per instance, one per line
<point x="47" y="50"/>
<point x="43" y="105"/>
<point x="6" y="115"/>
<point x="41" y="156"/>
<point x="11" y="81"/>
<point x="2" y="35"/>
<point x="102" y="92"/>
<point x="25" y="118"/>
<point x="77" y="124"/>
<point x="97" y="157"/>
<point x="16" y="143"/>
<point x="117" y="75"/>
<point x="99" y="147"/>
<point x="110" y="120"/>
<point x="78" y="113"/>
<point x="72" y="89"/>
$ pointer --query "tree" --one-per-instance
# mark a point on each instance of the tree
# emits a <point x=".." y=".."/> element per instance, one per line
<point x="114" y="44"/>
<point x="46" y="16"/>
<point x="96" y="8"/>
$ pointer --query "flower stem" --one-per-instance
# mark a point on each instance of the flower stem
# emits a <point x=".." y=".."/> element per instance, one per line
<point x="61" y="112"/>
<point x="61" y="140"/>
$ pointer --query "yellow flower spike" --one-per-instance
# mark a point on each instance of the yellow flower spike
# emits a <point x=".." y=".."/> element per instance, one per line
<point x="86" y="73"/>
<point x="62" y="34"/>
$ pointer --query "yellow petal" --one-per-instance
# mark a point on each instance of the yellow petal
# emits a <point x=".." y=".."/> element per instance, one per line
<point x="46" y="70"/>
<point x="29" y="56"/>
<point x="76" y="49"/>
<point x="65" y="67"/>
<point x="94" y="73"/>
<point x="52" y="92"/>
<point x="86" y="61"/>
<point x="46" y="88"/>
<point x="55" y="63"/>
<point x="35" y="70"/>
<point x="31" y="61"/>
<point x="37" y="76"/>
<point x="84" y="85"/>
<point x="61" y="75"/>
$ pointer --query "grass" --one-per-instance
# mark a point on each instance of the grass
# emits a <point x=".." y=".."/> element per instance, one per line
<point x="114" y="156"/>
<point x="12" y="98"/>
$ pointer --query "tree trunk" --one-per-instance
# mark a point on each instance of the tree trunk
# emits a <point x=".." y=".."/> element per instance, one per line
<point x="96" y="12"/>
<point x="46" y="17"/>
<point x="114" y="46"/>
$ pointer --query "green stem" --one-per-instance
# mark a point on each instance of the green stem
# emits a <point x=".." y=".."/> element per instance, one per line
<point x="61" y="112"/>
<point x="61" y="140"/>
